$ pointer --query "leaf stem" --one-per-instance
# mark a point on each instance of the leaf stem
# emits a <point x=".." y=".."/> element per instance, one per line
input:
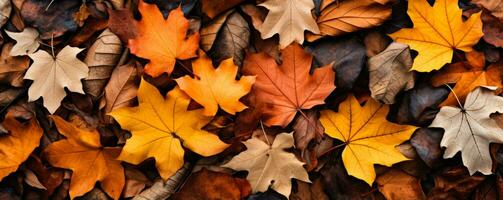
<point x="332" y="148"/>
<point x="265" y="135"/>
<point x="455" y="96"/>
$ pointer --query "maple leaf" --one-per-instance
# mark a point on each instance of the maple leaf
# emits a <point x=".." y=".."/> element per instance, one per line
<point x="213" y="87"/>
<point x="437" y="32"/>
<point x="158" y="123"/>
<point x="369" y="138"/>
<point x="289" y="19"/>
<point x="26" y="42"/>
<point x="289" y="87"/>
<point x="17" y="146"/>
<point x="270" y="164"/>
<point x="89" y="161"/>
<point x="467" y="77"/>
<point x="51" y="75"/>
<point x="162" y="41"/>
<point x="469" y="129"/>
<point x="349" y="16"/>
<point x="389" y="72"/>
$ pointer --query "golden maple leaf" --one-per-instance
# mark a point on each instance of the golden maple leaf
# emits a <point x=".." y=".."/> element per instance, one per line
<point x="437" y="32"/>
<point x="369" y="138"/>
<point x="159" y="126"/>
<point x="162" y="41"/>
<point x="89" y="161"/>
<point x="18" y="145"/>
<point x="213" y="87"/>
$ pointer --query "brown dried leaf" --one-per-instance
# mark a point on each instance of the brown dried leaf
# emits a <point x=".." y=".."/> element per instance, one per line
<point x="396" y="184"/>
<point x="12" y="68"/>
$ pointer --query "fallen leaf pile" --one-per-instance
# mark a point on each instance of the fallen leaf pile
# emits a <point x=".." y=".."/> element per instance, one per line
<point x="256" y="99"/>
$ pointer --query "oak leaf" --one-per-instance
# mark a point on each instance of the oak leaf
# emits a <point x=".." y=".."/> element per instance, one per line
<point x="437" y="32"/>
<point x="26" y="42"/>
<point x="289" y="19"/>
<point x="289" y="87"/>
<point x="270" y="164"/>
<point x="469" y="129"/>
<point x="467" y="77"/>
<point x="349" y="16"/>
<point x="389" y="73"/>
<point x="369" y="138"/>
<point x="89" y="161"/>
<point x="51" y="75"/>
<point x="17" y="146"/>
<point x="162" y="41"/>
<point x="216" y="87"/>
<point x="158" y="123"/>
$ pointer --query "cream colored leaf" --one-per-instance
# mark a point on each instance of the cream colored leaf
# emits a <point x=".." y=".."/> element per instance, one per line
<point x="289" y="19"/>
<point x="389" y="72"/>
<point x="26" y="42"/>
<point x="471" y="130"/>
<point x="51" y="75"/>
<point x="270" y="164"/>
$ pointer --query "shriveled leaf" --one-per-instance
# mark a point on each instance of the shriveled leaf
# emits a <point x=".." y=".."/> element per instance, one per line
<point x="81" y="152"/>
<point x="162" y="41"/>
<point x="289" y="87"/>
<point x="15" y="147"/>
<point x="349" y="16"/>
<point x="389" y="73"/>
<point x="437" y="32"/>
<point x="370" y="139"/>
<point x="269" y="165"/>
<point x="158" y="123"/>
<point x="51" y="75"/>
<point x="469" y="129"/>
<point x="223" y="186"/>
<point x="214" y="88"/>
<point x="102" y="57"/>
<point x="26" y="42"/>
<point x="454" y="183"/>
<point x="289" y="19"/>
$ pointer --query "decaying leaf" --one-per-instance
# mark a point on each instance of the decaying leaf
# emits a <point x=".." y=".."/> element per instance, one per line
<point x="223" y="186"/>
<point x="102" y="57"/>
<point x="289" y="19"/>
<point x="307" y="129"/>
<point x="349" y="16"/>
<point x="469" y="129"/>
<point x="437" y="32"/>
<point x="210" y="31"/>
<point x="157" y="123"/>
<point x="269" y="165"/>
<point x="89" y="161"/>
<point x="396" y="184"/>
<point x="389" y="73"/>
<point x="162" y="41"/>
<point x="493" y="29"/>
<point x="369" y="138"/>
<point x="26" y="42"/>
<point x="215" y="88"/>
<point x="289" y="87"/>
<point x="19" y="144"/>
<point x="232" y="40"/>
<point x="50" y="21"/>
<point x="120" y="22"/>
<point x="51" y="75"/>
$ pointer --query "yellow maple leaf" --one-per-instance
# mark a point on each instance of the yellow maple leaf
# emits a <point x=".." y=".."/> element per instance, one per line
<point x="159" y="126"/>
<point x="213" y="87"/>
<point x="437" y="32"/>
<point x="369" y="138"/>
<point x="89" y="161"/>
<point x="162" y="41"/>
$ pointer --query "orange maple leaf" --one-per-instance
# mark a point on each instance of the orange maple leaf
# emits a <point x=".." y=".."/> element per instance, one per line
<point x="161" y="40"/>
<point x="467" y="77"/>
<point x="214" y="87"/>
<point x="89" y="161"/>
<point x="288" y="87"/>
